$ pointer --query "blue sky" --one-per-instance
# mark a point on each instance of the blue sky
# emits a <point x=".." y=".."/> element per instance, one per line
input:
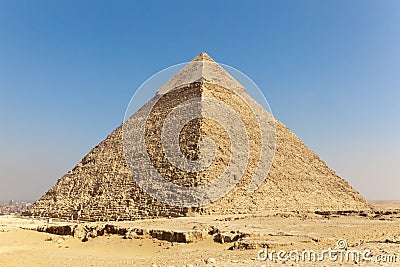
<point x="329" y="70"/>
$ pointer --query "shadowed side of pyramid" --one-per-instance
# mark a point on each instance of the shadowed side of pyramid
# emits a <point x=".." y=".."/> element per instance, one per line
<point x="103" y="186"/>
<point x="298" y="178"/>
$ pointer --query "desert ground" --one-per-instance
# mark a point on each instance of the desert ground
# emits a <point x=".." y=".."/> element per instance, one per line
<point x="229" y="240"/>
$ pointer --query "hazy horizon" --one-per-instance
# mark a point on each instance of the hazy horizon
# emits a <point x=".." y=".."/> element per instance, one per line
<point x="329" y="70"/>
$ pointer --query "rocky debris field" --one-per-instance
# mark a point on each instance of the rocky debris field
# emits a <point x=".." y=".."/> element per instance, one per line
<point x="229" y="240"/>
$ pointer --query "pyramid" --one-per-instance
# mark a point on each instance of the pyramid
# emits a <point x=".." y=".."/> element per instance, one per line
<point x="274" y="170"/>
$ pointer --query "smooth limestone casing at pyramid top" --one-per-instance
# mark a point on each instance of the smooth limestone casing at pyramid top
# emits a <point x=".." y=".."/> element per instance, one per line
<point x="101" y="187"/>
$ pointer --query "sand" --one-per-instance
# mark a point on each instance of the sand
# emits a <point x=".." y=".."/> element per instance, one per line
<point x="280" y="231"/>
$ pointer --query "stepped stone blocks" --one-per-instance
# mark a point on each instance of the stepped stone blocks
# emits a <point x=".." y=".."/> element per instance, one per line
<point x="103" y="186"/>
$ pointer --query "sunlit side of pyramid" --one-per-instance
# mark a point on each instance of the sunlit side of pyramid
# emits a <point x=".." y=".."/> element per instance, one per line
<point x="101" y="186"/>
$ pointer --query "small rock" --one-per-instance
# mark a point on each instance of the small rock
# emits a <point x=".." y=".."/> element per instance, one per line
<point x="92" y="233"/>
<point x="130" y="235"/>
<point x="226" y="237"/>
<point x="80" y="232"/>
<point x="210" y="260"/>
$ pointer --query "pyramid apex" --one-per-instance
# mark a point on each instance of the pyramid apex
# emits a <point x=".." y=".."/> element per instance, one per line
<point x="202" y="69"/>
<point x="203" y="56"/>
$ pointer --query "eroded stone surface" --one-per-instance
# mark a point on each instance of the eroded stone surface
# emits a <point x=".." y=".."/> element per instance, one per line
<point x="101" y="187"/>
